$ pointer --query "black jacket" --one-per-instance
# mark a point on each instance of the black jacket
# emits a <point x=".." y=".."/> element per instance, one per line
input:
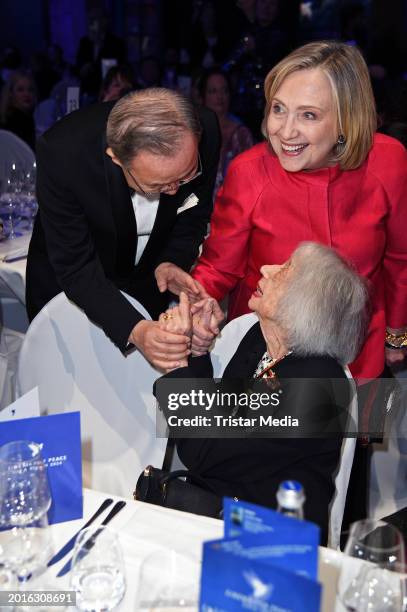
<point x="252" y="468"/>
<point x="85" y="236"/>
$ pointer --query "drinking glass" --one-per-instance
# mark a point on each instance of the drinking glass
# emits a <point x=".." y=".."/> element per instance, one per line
<point x="374" y="585"/>
<point x="24" y="502"/>
<point x="11" y="199"/>
<point x="97" y="574"/>
<point x="168" y="580"/>
<point x="29" y="204"/>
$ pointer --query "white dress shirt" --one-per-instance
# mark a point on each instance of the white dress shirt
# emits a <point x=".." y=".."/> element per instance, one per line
<point x="145" y="210"/>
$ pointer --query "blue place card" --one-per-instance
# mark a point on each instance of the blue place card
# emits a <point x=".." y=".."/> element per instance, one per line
<point x="295" y="550"/>
<point x="232" y="582"/>
<point x="243" y="518"/>
<point x="59" y="436"/>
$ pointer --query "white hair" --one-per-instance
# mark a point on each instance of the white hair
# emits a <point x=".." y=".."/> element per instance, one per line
<point x="324" y="310"/>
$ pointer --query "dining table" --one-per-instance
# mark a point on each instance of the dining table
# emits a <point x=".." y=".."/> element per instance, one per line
<point x="144" y="528"/>
<point x="13" y="264"/>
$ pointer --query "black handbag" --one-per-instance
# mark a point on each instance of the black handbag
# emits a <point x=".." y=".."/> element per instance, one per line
<point x="179" y="490"/>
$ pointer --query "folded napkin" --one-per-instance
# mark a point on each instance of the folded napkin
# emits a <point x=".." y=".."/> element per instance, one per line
<point x="14" y="254"/>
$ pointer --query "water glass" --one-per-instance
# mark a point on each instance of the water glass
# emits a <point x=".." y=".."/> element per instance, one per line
<point x="25" y="499"/>
<point x="377" y="542"/>
<point x="168" y="580"/>
<point x="373" y="585"/>
<point x="97" y="574"/>
<point x="11" y="215"/>
<point x="29" y="205"/>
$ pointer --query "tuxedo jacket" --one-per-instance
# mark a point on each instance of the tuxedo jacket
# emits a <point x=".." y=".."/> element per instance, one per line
<point x="84" y="240"/>
<point x="251" y="468"/>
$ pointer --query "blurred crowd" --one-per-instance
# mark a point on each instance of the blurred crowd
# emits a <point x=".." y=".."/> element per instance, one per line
<point x="216" y="52"/>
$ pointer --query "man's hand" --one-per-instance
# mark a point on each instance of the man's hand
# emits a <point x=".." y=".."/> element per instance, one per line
<point x="171" y="277"/>
<point x="207" y="314"/>
<point x="178" y="320"/>
<point x="164" y="350"/>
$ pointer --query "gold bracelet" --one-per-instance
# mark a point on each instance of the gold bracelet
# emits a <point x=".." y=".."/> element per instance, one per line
<point x="396" y="341"/>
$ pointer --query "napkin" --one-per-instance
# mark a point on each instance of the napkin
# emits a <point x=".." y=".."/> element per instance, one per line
<point x="14" y="254"/>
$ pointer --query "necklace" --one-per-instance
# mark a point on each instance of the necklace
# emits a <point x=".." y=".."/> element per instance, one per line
<point x="266" y="365"/>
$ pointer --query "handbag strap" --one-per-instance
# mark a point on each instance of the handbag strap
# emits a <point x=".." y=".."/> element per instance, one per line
<point x="193" y="478"/>
<point x="169" y="455"/>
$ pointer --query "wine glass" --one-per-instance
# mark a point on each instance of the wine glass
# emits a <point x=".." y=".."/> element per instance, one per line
<point x="97" y="574"/>
<point x="24" y="502"/>
<point x="12" y="199"/>
<point x="373" y="585"/>
<point x="29" y="200"/>
<point x="168" y="580"/>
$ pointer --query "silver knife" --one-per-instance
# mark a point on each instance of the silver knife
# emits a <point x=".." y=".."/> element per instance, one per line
<point x="70" y="544"/>
<point x="88" y="545"/>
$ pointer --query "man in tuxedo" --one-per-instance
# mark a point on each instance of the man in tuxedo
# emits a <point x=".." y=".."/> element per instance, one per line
<point x="125" y="196"/>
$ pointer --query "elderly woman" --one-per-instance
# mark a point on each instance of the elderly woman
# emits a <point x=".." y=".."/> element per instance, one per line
<point x="322" y="175"/>
<point x="312" y="313"/>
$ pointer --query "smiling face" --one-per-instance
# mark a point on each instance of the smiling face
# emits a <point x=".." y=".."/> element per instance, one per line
<point x="302" y="122"/>
<point x="270" y="288"/>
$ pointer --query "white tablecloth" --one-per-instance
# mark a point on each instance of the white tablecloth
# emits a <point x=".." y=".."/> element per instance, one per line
<point x="12" y="274"/>
<point x="143" y="528"/>
<point x="13" y="316"/>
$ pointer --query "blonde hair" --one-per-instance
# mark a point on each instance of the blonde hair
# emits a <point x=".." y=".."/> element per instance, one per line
<point x="154" y="120"/>
<point x="352" y="91"/>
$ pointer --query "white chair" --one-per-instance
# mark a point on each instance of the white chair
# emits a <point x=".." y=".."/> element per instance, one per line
<point x="13" y="150"/>
<point x="224" y="348"/>
<point x="77" y="367"/>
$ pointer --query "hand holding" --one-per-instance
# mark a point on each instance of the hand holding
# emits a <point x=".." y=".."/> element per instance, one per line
<point x="163" y="349"/>
<point x="207" y="315"/>
<point x="178" y="319"/>
<point x="217" y="312"/>
<point x="172" y="278"/>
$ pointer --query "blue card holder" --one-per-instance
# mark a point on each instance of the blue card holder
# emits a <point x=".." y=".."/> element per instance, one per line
<point x="59" y="436"/>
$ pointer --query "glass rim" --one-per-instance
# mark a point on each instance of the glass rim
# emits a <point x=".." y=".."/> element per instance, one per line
<point x="88" y="532"/>
<point x="376" y="523"/>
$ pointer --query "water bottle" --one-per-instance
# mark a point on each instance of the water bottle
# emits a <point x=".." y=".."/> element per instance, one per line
<point x="291" y="498"/>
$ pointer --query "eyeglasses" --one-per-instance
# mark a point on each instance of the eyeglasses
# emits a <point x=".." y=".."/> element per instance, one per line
<point x="169" y="186"/>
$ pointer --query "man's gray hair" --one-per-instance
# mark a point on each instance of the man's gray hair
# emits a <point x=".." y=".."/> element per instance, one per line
<point x="324" y="310"/>
<point x="154" y="120"/>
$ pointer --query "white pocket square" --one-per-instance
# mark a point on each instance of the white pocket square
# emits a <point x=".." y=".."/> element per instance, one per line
<point x="189" y="202"/>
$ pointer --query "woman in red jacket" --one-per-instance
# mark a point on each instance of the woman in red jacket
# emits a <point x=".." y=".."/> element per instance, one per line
<point x="323" y="175"/>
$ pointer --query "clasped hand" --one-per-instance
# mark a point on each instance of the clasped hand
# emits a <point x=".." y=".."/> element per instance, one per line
<point x="199" y="322"/>
<point x="182" y="330"/>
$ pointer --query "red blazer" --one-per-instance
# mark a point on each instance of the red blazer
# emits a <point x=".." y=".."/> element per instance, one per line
<point x="263" y="212"/>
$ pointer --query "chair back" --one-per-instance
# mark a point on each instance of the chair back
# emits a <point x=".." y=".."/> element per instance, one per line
<point x="13" y="150"/>
<point x="77" y="368"/>
<point x="224" y="349"/>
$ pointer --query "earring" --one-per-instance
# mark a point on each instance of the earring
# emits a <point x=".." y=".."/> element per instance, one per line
<point x="341" y="139"/>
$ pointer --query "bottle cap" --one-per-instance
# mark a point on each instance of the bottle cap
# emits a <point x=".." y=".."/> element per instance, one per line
<point x="291" y="495"/>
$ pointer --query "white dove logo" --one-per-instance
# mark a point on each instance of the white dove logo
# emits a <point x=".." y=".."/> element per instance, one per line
<point x="260" y="589"/>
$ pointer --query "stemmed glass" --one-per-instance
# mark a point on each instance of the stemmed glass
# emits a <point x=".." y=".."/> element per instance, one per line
<point x="375" y="587"/>
<point x="168" y="580"/>
<point x="11" y="199"/>
<point x="97" y="574"/>
<point x="24" y="502"/>
<point x="29" y="201"/>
